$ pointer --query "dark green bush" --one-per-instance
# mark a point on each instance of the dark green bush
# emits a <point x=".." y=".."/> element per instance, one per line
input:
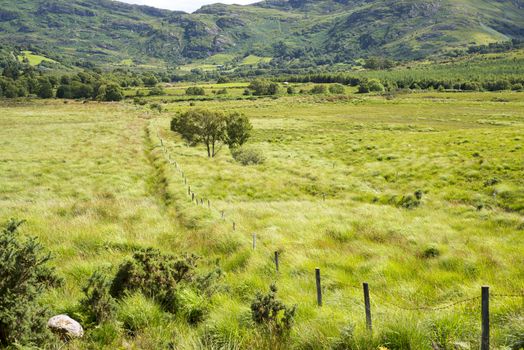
<point x="110" y="92"/>
<point x="24" y="277"/>
<point x="431" y="252"/>
<point x="157" y="91"/>
<point x="319" y="89"/>
<point x="270" y="313"/>
<point x="154" y="274"/>
<point x="195" y="91"/>
<point x="263" y="87"/>
<point x="98" y="302"/>
<point x="410" y="201"/>
<point x="372" y="85"/>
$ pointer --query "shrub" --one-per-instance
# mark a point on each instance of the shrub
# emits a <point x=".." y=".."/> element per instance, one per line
<point x="410" y="201"/>
<point x="270" y="313"/>
<point x="517" y="87"/>
<point x="156" y="107"/>
<point x="154" y="274"/>
<point x="98" y="302"/>
<point x="431" y="252"/>
<point x="337" y="89"/>
<point x="263" y="87"/>
<point x="248" y="156"/>
<point x="157" y="91"/>
<point x="319" y="89"/>
<point x="24" y="277"/>
<point x="290" y="90"/>
<point x="222" y="91"/>
<point x="195" y="91"/>
<point x="372" y="85"/>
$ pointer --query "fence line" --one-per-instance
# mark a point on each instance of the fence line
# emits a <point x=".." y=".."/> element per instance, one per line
<point x="193" y="195"/>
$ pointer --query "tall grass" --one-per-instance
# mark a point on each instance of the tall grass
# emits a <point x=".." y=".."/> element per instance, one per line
<point x="94" y="185"/>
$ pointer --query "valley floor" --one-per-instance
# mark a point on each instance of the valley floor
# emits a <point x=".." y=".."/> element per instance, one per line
<point x="337" y="191"/>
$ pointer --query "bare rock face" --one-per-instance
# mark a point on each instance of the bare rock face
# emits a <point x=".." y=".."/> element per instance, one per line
<point x="65" y="327"/>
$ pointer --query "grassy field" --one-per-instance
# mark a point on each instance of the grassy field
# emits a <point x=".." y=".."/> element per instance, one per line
<point x="94" y="184"/>
<point x="34" y="59"/>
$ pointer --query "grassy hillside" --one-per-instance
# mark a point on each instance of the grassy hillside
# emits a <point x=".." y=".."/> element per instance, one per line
<point x="314" y="32"/>
<point x="95" y="184"/>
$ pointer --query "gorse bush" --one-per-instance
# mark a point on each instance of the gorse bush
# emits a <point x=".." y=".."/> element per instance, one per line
<point x="98" y="302"/>
<point x="24" y="276"/>
<point x="158" y="282"/>
<point x="154" y="274"/>
<point x="271" y="314"/>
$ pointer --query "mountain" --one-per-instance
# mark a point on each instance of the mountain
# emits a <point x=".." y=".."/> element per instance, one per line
<point x="316" y="31"/>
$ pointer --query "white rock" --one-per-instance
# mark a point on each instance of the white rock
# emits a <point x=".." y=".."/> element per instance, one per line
<point x="65" y="327"/>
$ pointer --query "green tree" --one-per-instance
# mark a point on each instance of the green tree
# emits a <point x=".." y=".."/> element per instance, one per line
<point x="262" y="87"/>
<point x="64" y="91"/>
<point x="238" y="130"/>
<point x="24" y="277"/>
<point x="212" y="128"/>
<point x="44" y="89"/>
<point x="110" y="92"/>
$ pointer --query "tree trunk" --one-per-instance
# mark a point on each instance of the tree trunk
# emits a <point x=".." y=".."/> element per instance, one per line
<point x="208" y="149"/>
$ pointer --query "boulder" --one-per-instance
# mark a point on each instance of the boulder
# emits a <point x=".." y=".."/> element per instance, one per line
<point x="65" y="327"/>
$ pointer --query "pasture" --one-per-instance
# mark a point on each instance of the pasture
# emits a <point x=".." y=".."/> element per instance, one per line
<point x="336" y="191"/>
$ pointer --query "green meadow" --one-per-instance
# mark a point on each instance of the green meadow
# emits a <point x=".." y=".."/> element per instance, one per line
<point x="421" y="195"/>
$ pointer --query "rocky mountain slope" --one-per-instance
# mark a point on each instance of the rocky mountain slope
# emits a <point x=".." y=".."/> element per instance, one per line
<point x="319" y="31"/>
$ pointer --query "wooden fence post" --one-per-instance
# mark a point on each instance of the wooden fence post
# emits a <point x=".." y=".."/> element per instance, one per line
<point x="485" y="319"/>
<point x="319" y="287"/>
<point x="276" y="261"/>
<point x="254" y="241"/>
<point x="222" y="214"/>
<point x="188" y="190"/>
<point x="192" y="196"/>
<point x="234" y="226"/>
<point x="367" y="306"/>
<point x="209" y="204"/>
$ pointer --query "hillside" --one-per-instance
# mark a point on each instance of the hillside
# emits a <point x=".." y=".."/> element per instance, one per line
<point x="316" y="32"/>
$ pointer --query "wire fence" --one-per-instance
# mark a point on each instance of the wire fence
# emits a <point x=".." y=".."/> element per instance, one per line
<point x="205" y="201"/>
